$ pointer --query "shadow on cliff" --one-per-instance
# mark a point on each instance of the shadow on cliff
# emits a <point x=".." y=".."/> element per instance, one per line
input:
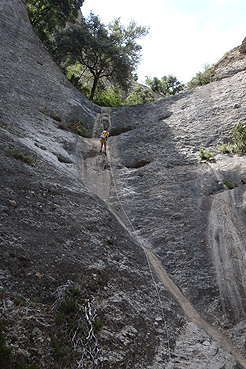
<point x="167" y="193"/>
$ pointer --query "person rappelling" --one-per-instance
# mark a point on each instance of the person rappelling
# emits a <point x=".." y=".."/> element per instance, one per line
<point x="104" y="139"/>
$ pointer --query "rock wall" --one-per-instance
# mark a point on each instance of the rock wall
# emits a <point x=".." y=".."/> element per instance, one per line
<point x="112" y="224"/>
<point x="53" y="230"/>
<point x="159" y="157"/>
<point x="178" y="205"/>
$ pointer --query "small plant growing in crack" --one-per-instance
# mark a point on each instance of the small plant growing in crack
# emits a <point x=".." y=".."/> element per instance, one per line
<point x="19" y="156"/>
<point x="77" y="127"/>
<point x="238" y="145"/>
<point x="225" y="148"/>
<point x="229" y="184"/>
<point x="205" y="155"/>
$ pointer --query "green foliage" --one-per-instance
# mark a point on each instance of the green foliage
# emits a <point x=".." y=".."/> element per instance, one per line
<point x="67" y="311"/>
<point x="19" y="156"/>
<point x="77" y="127"/>
<point x="90" y="53"/>
<point x="140" y="95"/>
<point x="167" y="85"/>
<point x="75" y="74"/>
<point x="238" y="145"/>
<point x="69" y="307"/>
<point x="61" y="350"/>
<point x="201" y="78"/>
<point x="125" y="39"/>
<point x="110" y="97"/>
<point x="47" y="16"/>
<point x="107" y="53"/>
<point x="76" y="326"/>
<point x="74" y="293"/>
<point x="239" y="138"/>
<point x="97" y="325"/>
<point x="225" y="148"/>
<point x="205" y="155"/>
<point x="229" y="184"/>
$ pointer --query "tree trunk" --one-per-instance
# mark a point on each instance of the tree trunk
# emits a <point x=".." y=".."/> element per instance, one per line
<point x="93" y="90"/>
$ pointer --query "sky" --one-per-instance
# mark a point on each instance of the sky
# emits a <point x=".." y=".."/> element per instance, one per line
<point x="184" y="35"/>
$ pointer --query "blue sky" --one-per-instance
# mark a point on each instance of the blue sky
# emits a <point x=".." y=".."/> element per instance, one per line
<point x="184" y="34"/>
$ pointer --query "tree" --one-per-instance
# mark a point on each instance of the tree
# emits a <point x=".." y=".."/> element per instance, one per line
<point x="140" y="95"/>
<point x="108" y="53"/>
<point x="111" y="96"/>
<point x="167" y="86"/>
<point x="46" y="16"/>
<point x="154" y="84"/>
<point x="201" y="78"/>
<point x="125" y="38"/>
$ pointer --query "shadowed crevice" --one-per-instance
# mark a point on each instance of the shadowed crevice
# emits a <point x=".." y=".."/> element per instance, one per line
<point x="119" y="130"/>
<point x="138" y="164"/>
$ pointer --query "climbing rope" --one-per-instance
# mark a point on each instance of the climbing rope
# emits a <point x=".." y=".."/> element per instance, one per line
<point x="133" y="233"/>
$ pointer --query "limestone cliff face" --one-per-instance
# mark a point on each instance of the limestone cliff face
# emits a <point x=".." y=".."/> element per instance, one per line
<point x="173" y="197"/>
<point x="149" y="234"/>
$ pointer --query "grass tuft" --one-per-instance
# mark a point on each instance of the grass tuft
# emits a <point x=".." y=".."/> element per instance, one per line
<point x="19" y="156"/>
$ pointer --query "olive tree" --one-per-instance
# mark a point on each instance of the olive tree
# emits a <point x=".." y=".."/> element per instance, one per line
<point x="107" y="53"/>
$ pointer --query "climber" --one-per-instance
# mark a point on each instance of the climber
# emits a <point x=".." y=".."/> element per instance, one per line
<point x="104" y="139"/>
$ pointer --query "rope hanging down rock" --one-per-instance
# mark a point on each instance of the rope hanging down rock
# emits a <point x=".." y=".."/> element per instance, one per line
<point x="133" y="234"/>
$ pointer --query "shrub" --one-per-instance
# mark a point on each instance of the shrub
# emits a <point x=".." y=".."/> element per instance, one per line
<point x="201" y="78"/>
<point x="68" y="307"/>
<point x="205" y="155"/>
<point x="224" y="148"/>
<point x="239" y="138"/>
<point x="97" y="325"/>
<point x="166" y="86"/>
<point x="110" y="97"/>
<point x="77" y="325"/>
<point x="238" y="145"/>
<point x="61" y="351"/>
<point x="140" y="95"/>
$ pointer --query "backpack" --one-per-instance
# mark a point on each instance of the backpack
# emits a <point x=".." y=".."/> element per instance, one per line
<point x="104" y="134"/>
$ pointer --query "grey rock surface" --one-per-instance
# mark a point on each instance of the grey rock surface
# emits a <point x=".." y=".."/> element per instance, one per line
<point x="150" y="233"/>
<point x="231" y="63"/>
<point x="242" y="48"/>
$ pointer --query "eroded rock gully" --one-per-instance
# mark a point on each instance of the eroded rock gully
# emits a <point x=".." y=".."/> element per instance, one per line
<point x="103" y="183"/>
<point x="61" y="218"/>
